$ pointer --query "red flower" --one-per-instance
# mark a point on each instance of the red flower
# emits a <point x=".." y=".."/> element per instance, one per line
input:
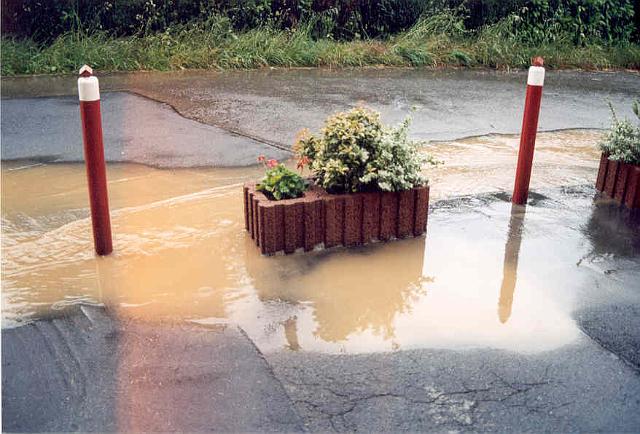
<point x="272" y="163"/>
<point x="303" y="162"/>
<point x="261" y="159"/>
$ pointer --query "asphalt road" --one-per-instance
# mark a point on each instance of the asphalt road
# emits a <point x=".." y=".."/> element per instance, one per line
<point x="135" y="129"/>
<point x="85" y="370"/>
<point x="475" y="390"/>
<point x="232" y="117"/>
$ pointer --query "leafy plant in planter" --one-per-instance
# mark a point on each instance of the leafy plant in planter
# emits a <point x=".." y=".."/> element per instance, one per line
<point x="367" y="187"/>
<point x="279" y="182"/>
<point x="622" y="142"/>
<point x="619" y="172"/>
<point x="356" y="152"/>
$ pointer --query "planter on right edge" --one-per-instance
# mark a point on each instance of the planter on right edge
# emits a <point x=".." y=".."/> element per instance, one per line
<point x="620" y="181"/>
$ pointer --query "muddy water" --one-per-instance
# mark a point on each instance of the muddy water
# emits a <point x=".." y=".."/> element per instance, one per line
<point x="485" y="164"/>
<point x="181" y="252"/>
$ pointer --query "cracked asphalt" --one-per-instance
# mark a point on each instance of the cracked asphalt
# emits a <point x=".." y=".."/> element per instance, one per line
<point x="96" y="373"/>
<point x="475" y="390"/>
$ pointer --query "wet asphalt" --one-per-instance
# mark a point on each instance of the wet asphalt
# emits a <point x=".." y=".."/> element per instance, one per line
<point x="229" y="118"/>
<point x="88" y="370"/>
<point x="83" y="370"/>
<point x="135" y="129"/>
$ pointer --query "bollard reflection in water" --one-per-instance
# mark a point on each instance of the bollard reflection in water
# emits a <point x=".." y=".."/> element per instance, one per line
<point x="291" y="333"/>
<point x="510" y="267"/>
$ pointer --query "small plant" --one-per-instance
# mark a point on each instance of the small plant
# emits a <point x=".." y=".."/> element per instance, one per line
<point x="622" y="142"/>
<point x="279" y="182"/>
<point x="356" y="152"/>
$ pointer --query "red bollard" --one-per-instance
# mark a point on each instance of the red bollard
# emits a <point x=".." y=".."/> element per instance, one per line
<point x="89" y="93"/>
<point x="535" y="82"/>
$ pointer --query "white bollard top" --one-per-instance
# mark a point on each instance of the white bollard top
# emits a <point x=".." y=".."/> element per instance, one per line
<point x="536" y="76"/>
<point x="88" y="86"/>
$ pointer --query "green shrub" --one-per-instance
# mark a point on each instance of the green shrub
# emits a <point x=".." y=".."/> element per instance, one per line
<point x="540" y="20"/>
<point x="213" y="44"/>
<point x="397" y="164"/>
<point x="544" y="21"/>
<point x="281" y="183"/>
<point x="342" y="19"/>
<point x="357" y="153"/>
<point x="622" y="142"/>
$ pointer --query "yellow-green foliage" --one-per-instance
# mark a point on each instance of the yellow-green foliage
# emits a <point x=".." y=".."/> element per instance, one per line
<point x="356" y="152"/>
<point x="622" y="142"/>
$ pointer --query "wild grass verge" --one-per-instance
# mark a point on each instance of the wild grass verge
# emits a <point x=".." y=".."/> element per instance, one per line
<point x="436" y="41"/>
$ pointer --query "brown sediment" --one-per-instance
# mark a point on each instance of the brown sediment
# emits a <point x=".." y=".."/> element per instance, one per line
<point x="319" y="218"/>
<point x="620" y="181"/>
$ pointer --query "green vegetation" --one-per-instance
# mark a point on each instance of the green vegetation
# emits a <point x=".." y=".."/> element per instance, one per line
<point x="124" y="35"/>
<point x="622" y="142"/>
<point x="337" y="19"/>
<point x="356" y="152"/>
<point x="279" y="182"/>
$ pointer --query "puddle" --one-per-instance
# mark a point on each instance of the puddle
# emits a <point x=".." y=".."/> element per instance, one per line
<point x="483" y="276"/>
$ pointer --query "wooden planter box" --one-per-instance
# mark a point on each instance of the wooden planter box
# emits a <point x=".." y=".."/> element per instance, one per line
<point x="620" y="181"/>
<point x="320" y="218"/>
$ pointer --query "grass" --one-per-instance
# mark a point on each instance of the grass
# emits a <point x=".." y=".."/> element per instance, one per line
<point x="437" y="41"/>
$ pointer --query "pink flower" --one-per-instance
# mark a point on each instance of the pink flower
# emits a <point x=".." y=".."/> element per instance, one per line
<point x="272" y="163"/>
<point x="261" y="159"/>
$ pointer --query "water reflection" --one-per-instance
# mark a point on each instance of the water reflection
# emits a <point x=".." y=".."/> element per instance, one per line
<point x="510" y="267"/>
<point x="182" y="254"/>
<point x="291" y="333"/>
<point x="351" y="291"/>
<point x="613" y="229"/>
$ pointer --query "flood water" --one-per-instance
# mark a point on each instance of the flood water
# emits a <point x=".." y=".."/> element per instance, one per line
<point x="478" y="279"/>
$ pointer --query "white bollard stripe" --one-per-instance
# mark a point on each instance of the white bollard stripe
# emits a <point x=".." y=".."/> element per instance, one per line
<point x="88" y="89"/>
<point x="536" y="76"/>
